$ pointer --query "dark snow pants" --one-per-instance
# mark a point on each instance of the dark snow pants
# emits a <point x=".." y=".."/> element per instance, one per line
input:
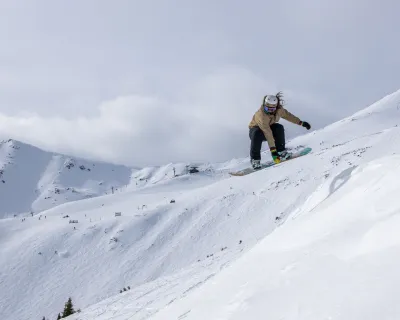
<point x="257" y="137"/>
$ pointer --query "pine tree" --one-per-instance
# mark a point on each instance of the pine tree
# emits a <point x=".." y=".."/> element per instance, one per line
<point x="59" y="317"/>
<point x="68" y="309"/>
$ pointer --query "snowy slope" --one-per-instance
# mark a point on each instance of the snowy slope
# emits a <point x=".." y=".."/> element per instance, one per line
<point x="338" y="260"/>
<point x="335" y="257"/>
<point x="236" y="241"/>
<point x="32" y="180"/>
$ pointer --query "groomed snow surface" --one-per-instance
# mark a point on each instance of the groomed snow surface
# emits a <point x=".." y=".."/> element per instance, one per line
<point x="313" y="238"/>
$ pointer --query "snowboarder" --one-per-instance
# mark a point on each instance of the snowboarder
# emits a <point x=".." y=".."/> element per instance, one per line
<point x="265" y="127"/>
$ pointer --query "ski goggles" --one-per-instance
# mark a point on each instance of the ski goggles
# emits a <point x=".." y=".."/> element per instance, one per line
<point x="270" y="109"/>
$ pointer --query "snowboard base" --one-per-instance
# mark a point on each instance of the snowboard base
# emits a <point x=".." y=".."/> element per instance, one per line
<point x="265" y="165"/>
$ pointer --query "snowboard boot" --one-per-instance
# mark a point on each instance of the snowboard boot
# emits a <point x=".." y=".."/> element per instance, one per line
<point x="284" y="155"/>
<point x="256" y="164"/>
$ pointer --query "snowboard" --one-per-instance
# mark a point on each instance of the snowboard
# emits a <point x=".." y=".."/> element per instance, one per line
<point x="265" y="165"/>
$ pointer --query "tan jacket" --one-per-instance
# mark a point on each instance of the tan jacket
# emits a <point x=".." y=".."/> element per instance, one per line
<point x="264" y="121"/>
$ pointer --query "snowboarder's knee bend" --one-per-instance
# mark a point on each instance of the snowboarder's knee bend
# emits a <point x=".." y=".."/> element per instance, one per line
<point x="256" y="133"/>
<point x="277" y="127"/>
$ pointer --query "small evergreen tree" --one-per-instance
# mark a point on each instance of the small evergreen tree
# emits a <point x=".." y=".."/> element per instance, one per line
<point x="59" y="317"/>
<point x="68" y="309"/>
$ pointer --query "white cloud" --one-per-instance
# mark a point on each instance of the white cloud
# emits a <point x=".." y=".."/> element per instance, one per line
<point x="168" y="71"/>
<point x="207" y="122"/>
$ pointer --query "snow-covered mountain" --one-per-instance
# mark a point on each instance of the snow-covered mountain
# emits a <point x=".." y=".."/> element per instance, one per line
<point x="32" y="180"/>
<point x="313" y="238"/>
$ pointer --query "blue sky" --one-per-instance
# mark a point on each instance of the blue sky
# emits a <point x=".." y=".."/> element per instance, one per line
<point x="157" y="81"/>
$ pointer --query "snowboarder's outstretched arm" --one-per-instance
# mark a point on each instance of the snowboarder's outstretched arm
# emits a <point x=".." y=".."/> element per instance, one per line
<point x="290" y="117"/>
<point x="293" y="119"/>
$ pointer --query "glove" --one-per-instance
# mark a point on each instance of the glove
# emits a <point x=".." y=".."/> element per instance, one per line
<point x="275" y="155"/>
<point x="306" y="125"/>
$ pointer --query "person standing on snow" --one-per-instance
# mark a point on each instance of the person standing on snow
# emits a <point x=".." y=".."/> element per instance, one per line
<point x="265" y="127"/>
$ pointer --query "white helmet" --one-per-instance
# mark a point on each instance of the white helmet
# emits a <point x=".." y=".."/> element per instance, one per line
<point x="270" y="101"/>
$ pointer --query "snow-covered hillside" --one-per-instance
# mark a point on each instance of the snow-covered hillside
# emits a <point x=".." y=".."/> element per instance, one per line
<point x="335" y="258"/>
<point x="313" y="238"/>
<point x="32" y="180"/>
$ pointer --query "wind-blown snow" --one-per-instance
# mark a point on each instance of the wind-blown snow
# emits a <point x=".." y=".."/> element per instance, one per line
<point x="313" y="238"/>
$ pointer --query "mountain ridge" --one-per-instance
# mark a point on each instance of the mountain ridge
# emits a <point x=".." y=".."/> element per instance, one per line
<point x="32" y="180"/>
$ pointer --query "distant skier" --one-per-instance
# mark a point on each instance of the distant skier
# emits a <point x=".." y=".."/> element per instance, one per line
<point x="264" y="127"/>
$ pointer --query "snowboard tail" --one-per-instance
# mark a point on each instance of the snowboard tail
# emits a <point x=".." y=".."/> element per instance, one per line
<point x="247" y="171"/>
